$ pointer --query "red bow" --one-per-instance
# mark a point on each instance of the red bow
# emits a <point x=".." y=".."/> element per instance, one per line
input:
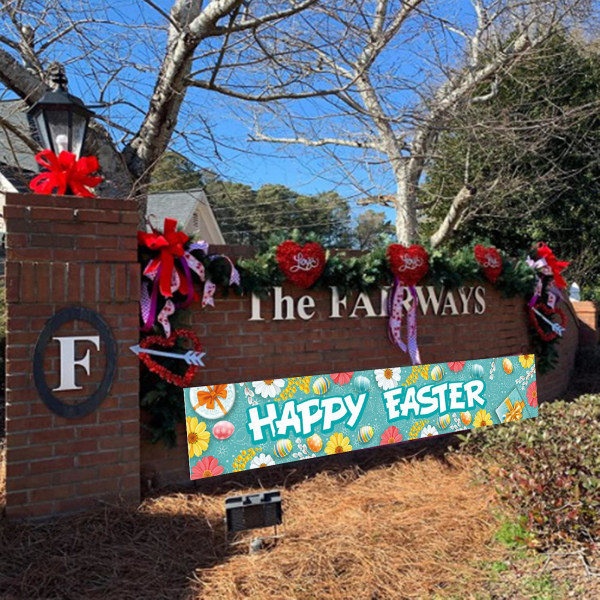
<point x="170" y="243"/>
<point x="556" y="265"/>
<point x="64" y="173"/>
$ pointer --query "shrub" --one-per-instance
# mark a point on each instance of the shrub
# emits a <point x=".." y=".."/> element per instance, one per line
<point x="548" y="469"/>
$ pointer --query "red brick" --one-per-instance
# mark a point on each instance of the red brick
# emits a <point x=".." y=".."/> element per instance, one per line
<point x="98" y="487"/>
<point x="56" y="492"/>
<point x="39" y="213"/>
<point x="113" y="470"/>
<point x="29" y="481"/>
<point x="68" y="505"/>
<point x="52" y="464"/>
<point x="98" y="216"/>
<point x="15" y="212"/>
<point x="101" y="430"/>
<point x="97" y="458"/>
<point x="16" y="498"/>
<point x="76" y="475"/>
<point x="117" y="255"/>
<point x="130" y="217"/>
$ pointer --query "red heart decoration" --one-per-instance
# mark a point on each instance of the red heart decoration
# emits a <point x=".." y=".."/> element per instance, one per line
<point x="302" y="265"/>
<point x="490" y="261"/>
<point x="410" y="264"/>
<point x="168" y="342"/>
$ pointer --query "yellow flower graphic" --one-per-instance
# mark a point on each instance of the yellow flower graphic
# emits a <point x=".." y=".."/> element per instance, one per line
<point x="338" y="443"/>
<point x="526" y="360"/>
<point x="197" y="436"/>
<point x="482" y="419"/>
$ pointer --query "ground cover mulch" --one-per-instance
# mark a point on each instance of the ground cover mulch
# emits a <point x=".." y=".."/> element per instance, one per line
<point x="411" y="529"/>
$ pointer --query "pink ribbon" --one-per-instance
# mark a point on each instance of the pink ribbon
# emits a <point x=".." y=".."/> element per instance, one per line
<point x="396" y="306"/>
<point x="163" y="317"/>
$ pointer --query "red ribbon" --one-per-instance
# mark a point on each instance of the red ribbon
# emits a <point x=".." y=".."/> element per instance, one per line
<point x="171" y="245"/>
<point x="556" y="265"/>
<point x="65" y="172"/>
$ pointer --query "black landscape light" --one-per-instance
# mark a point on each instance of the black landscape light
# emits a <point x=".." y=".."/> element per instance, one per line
<point x="60" y="119"/>
<point x="253" y="511"/>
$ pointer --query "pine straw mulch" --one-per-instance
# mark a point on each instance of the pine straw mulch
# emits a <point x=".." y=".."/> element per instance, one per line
<point x="409" y="528"/>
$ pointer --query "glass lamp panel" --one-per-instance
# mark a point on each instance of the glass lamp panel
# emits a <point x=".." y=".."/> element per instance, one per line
<point x="58" y="120"/>
<point x="40" y="123"/>
<point x="78" y="127"/>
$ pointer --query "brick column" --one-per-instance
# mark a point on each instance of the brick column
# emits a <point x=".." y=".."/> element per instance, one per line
<point x="70" y="252"/>
<point x="588" y="318"/>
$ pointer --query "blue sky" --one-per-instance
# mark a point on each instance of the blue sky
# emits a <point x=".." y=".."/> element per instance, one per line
<point x="137" y="52"/>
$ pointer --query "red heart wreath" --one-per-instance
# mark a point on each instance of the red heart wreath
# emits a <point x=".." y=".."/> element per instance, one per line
<point x="490" y="261"/>
<point x="168" y="342"/>
<point x="302" y="265"/>
<point x="546" y="336"/>
<point x="410" y="264"/>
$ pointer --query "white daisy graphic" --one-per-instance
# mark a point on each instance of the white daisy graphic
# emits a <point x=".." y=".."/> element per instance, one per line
<point x="387" y="378"/>
<point x="428" y="431"/>
<point x="268" y="388"/>
<point x="262" y="460"/>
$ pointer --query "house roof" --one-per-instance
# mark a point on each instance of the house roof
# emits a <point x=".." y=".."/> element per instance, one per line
<point x="13" y="150"/>
<point x="183" y="206"/>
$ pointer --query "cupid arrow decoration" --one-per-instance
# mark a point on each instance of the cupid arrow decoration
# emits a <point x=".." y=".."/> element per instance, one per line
<point x="556" y="328"/>
<point x="190" y="357"/>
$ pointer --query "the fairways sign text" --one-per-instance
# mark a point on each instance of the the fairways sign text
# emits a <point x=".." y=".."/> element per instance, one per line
<point x="431" y="300"/>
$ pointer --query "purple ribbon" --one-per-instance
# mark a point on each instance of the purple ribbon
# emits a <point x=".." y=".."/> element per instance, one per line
<point x="189" y="263"/>
<point x="396" y="313"/>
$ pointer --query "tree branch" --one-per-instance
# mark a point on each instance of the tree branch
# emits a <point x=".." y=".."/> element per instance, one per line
<point x="263" y="96"/>
<point x="259" y="137"/>
<point x="457" y="208"/>
<point x="254" y="23"/>
<point x="19" y="79"/>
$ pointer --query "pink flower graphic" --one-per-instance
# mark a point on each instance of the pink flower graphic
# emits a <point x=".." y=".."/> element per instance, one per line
<point x="341" y="378"/>
<point x="456" y="366"/>
<point x="207" y="467"/>
<point x="390" y="436"/>
<point x="532" y="394"/>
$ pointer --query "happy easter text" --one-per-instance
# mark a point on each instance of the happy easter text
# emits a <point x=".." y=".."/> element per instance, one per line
<point x="280" y="419"/>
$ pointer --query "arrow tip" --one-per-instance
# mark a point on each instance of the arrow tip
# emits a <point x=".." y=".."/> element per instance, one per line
<point x="135" y="349"/>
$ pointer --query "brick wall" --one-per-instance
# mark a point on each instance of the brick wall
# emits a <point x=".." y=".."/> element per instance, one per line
<point x="64" y="252"/>
<point x="242" y="350"/>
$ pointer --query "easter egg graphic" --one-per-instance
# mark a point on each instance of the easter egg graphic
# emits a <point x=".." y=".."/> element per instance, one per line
<point x="477" y="371"/>
<point x="437" y="373"/>
<point x="466" y="417"/>
<point x="444" y="421"/>
<point x="507" y="366"/>
<point x="365" y="434"/>
<point x="315" y="443"/>
<point x="223" y="430"/>
<point x="362" y="384"/>
<point x="212" y="401"/>
<point x="320" y="386"/>
<point x="282" y="448"/>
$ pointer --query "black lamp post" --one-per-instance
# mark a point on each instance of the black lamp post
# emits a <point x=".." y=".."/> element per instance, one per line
<point x="60" y="119"/>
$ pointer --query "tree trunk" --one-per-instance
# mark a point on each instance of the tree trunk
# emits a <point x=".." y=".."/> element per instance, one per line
<point x="405" y="202"/>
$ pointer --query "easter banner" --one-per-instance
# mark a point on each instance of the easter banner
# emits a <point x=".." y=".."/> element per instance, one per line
<point x="237" y="426"/>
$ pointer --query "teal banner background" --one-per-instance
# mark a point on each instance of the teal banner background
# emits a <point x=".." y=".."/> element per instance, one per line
<point x="365" y="409"/>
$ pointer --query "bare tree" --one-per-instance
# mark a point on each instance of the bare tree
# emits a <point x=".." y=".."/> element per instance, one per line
<point x="375" y="83"/>
<point x="135" y="64"/>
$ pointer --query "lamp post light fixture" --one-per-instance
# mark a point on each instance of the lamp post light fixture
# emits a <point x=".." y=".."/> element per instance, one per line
<point x="59" y="118"/>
